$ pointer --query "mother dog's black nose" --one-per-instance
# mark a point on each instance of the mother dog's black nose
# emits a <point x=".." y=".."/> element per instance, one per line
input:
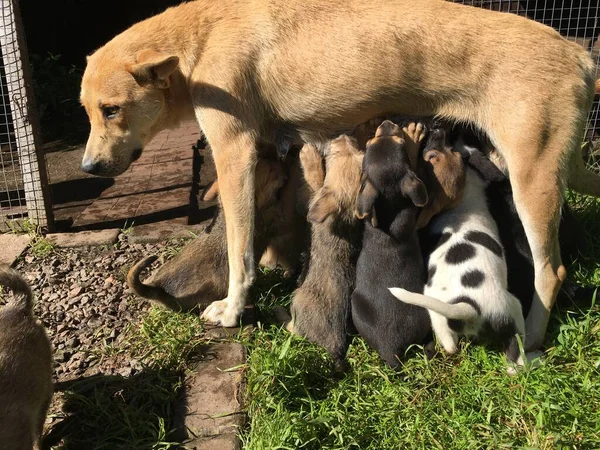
<point x="90" y="167"/>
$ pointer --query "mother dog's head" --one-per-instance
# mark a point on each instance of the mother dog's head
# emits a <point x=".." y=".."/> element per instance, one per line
<point x="127" y="103"/>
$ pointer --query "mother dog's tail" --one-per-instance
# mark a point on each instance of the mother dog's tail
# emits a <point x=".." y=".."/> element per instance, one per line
<point x="456" y="311"/>
<point x="23" y="297"/>
<point x="149" y="291"/>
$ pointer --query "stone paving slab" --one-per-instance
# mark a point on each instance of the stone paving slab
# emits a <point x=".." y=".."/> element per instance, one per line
<point x="165" y="230"/>
<point x="84" y="238"/>
<point x="12" y="245"/>
<point x="212" y="401"/>
<point x="223" y="442"/>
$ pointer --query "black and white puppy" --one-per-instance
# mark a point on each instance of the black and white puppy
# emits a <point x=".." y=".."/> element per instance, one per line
<point x="391" y="196"/>
<point x="466" y="292"/>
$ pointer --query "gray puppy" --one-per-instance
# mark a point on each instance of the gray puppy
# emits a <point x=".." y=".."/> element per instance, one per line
<point x="25" y="368"/>
<point x="320" y="306"/>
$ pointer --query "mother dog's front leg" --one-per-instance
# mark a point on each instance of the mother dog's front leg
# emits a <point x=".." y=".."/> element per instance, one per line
<point x="234" y="154"/>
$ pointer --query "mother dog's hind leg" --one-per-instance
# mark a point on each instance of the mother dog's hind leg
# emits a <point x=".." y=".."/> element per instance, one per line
<point x="234" y="153"/>
<point x="537" y="166"/>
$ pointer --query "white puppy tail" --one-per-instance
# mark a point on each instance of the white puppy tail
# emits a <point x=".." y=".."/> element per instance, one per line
<point x="457" y="311"/>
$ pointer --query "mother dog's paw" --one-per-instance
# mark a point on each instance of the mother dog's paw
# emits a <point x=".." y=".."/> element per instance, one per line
<point x="222" y="313"/>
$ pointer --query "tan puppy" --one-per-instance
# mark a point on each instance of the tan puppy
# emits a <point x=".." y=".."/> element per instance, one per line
<point x="198" y="275"/>
<point x="273" y="70"/>
<point x="25" y="368"/>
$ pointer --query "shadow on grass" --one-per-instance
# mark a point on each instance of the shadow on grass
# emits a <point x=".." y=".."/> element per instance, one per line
<point x="113" y="412"/>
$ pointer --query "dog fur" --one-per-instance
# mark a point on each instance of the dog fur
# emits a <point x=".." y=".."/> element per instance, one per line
<point x="391" y="195"/>
<point x="444" y="176"/>
<point x="25" y="368"/>
<point x="519" y="259"/>
<point x="198" y="275"/>
<point x="466" y="291"/>
<point x="320" y="305"/>
<point x="273" y="70"/>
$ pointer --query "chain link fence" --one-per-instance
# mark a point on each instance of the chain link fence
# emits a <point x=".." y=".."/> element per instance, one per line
<point x="23" y="182"/>
<point x="24" y="188"/>
<point x="578" y="21"/>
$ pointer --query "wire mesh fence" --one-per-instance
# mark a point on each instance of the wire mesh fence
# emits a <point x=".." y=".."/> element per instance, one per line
<point x="24" y="189"/>
<point x="23" y="181"/>
<point x="577" y="20"/>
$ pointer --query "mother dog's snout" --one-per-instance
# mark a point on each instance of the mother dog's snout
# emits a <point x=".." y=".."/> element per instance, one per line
<point x="91" y="167"/>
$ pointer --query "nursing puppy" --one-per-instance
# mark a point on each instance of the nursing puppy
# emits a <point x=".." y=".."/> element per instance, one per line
<point x="391" y="196"/>
<point x="512" y="234"/>
<point x="25" y="368"/>
<point x="444" y="176"/>
<point x="320" y="306"/>
<point x="466" y="292"/>
<point x="198" y="275"/>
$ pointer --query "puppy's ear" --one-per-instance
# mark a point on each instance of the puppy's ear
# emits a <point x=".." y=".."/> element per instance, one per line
<point x="414" y="188"/>
<point x="366" y="199"/>
<point x="322" y="206"/>
<point x="153" y="68"/>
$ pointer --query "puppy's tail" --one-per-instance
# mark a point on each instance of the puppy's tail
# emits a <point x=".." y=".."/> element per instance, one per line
<point x="147" y="290"/>
<point x="10" y="278"/>
<point x="456" y="311"/>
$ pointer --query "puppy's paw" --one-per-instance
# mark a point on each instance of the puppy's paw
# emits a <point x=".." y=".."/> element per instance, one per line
<point x="312" y="166"/>
<point x="415" y="131"/>
<point x="222" y="313"/>
<point x="310" y="158"/>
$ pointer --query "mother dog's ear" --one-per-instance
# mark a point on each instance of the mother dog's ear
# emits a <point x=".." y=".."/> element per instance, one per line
<point x="365" y="206"/>
<point x="414" y="188"/>
<point x="153" y="68"/>
<point x="322" y="206"/>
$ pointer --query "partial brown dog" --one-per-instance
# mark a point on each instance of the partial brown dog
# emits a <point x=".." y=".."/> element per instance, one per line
<point x="25" y="368"/>
<point x="445" y="176"/>
<point x="198" y="275"/>
<point x="320" y="306"/>
<point x="273" y="70"/>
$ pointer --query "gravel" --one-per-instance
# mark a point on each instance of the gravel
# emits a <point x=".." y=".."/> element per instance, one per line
<point x="85" y="304"/>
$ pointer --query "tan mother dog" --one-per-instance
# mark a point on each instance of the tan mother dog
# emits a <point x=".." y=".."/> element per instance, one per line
<point x="284" y="70"/>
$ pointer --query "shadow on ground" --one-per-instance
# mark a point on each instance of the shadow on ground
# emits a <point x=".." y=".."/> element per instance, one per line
<point x="113" y="412"/>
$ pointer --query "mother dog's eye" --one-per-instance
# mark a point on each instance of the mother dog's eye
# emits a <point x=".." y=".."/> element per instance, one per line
<point x="110" y="111"/>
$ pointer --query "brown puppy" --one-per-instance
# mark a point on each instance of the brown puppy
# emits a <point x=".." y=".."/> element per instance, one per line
<point x="198" y="275"/>
<point x="320" y="306"/>
<point x="445" y="175"/>
<point x="25" y="368"/>
<point x="271" y="70"/>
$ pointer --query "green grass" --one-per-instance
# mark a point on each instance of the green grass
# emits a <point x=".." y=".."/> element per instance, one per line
<point x="115" y="412"/>
<point x="40" y="246"/>
<point x="459" y="402"/>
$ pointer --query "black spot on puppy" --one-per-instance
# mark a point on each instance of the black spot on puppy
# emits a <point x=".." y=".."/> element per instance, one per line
<point x="430" y="274"/>
<point x="456" y="325"/>
<point x="468" y="300"/>
<point x="485" y="240"/>
<point x="460" y="253"/>
<point x="472" y="279"/>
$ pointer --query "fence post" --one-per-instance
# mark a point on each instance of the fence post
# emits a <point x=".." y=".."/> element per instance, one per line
<point x="24" y="117"/>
